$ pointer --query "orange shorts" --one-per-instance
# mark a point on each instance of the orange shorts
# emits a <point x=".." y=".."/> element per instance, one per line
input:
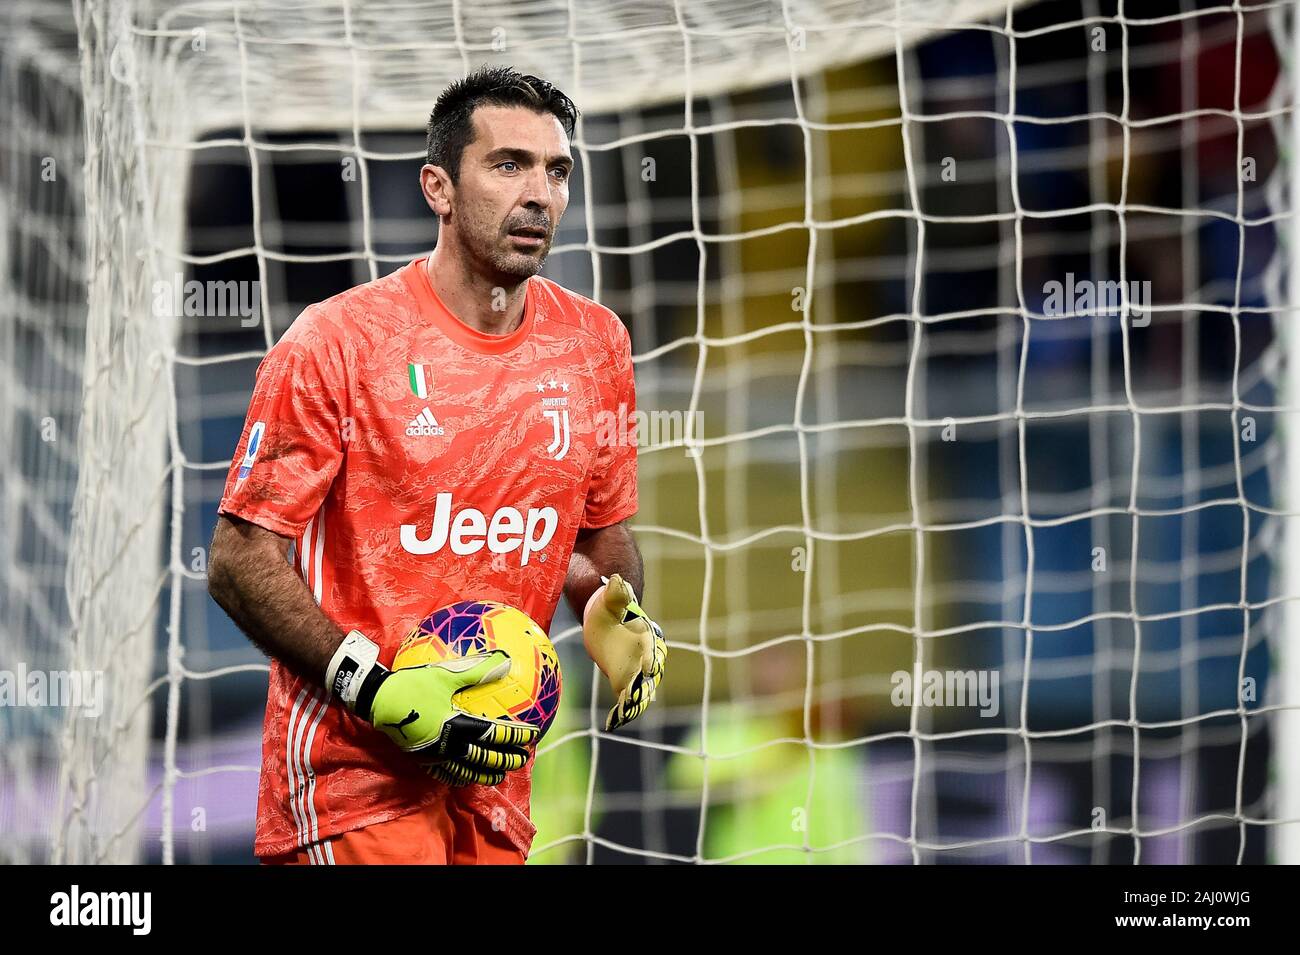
<point x="445" y="833"/>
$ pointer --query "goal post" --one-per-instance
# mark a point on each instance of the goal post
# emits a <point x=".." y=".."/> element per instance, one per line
<point x="1288" y="649"/>
<point x="962" y="323"/>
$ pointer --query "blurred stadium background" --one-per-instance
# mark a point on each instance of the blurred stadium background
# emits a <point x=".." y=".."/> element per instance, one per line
<point x="838" y="255"/>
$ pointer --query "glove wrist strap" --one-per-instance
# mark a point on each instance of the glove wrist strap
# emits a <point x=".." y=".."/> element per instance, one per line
<point x="354" y="673"/>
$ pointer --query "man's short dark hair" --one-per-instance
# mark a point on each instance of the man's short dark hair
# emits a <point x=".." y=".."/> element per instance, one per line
<point x="451" y="125"/>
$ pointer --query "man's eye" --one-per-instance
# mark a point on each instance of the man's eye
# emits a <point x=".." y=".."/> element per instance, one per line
<point x="562" y="172"/>
<point x="508" y="162"/>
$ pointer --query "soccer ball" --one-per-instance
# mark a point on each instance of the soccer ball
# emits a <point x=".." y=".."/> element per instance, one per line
<point x="529" y="693"/>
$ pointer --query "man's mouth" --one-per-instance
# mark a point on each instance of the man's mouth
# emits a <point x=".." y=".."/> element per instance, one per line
<point x="529" y="236"/>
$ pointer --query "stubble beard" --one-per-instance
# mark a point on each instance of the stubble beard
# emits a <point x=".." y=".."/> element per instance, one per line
<point x="487" y="246"/>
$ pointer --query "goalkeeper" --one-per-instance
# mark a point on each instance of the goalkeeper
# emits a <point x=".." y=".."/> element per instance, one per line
<point x="433" y="436"/>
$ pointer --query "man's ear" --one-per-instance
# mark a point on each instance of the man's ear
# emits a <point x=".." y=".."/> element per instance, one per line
<point x="437" y="188"/>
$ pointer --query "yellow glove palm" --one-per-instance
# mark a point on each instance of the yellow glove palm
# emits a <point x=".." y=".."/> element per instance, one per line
<point x="628" y="647"/>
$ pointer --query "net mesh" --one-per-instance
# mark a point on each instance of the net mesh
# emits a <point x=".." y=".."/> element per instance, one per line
<point x="42" y="296"/>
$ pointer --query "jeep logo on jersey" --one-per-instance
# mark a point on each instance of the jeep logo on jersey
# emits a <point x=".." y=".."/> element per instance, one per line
<point x="507" y="530"/>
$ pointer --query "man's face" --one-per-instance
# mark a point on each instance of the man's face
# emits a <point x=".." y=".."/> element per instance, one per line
<point x="513" y="188"/>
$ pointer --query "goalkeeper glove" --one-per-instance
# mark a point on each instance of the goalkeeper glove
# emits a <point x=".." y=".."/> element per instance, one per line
<point x="628" y="647"/>
<point x="414" y="708"/>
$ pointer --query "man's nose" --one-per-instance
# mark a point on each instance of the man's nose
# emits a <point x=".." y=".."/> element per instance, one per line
<point x="538" y="191"/>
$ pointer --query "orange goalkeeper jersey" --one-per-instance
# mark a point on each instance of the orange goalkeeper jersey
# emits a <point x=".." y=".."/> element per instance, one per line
<point x="416" y="462"/>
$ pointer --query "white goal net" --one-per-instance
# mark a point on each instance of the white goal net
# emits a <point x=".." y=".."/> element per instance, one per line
<point x="960" y="326"/>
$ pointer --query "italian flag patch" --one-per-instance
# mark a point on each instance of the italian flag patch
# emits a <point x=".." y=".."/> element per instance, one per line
<point x="421" y="379"/>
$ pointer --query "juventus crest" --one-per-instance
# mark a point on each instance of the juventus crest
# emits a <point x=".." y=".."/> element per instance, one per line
<point x="555" y="408"/>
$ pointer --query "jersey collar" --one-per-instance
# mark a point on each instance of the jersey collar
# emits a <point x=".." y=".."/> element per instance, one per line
<point x="432" y="307"/>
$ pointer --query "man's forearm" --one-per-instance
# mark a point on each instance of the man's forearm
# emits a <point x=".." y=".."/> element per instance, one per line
<point x="602" y="551"/>
<point x="250" y="577"/>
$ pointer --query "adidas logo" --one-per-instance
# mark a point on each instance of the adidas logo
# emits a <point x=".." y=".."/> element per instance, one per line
<point x="424" y="425"/>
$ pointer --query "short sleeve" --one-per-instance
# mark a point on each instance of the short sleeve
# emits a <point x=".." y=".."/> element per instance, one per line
<point x="291" y="447"/>
<point x="612" y="494"/>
